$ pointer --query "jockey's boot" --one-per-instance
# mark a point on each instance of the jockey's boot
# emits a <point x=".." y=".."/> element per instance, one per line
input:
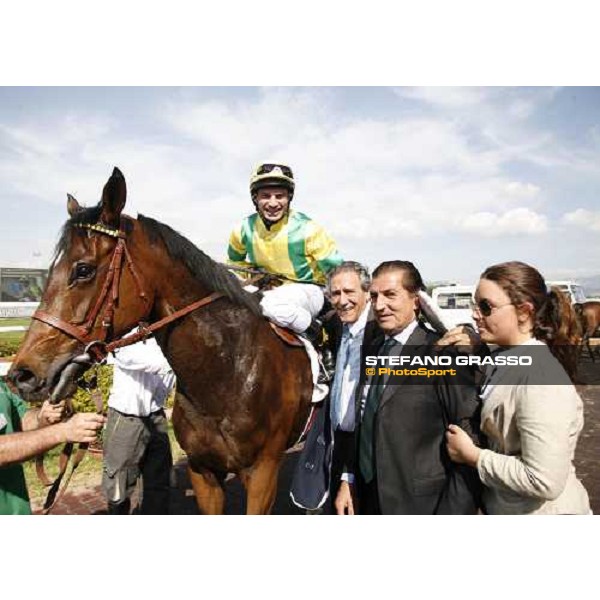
<point x="328" y="364"/>
<point x="314" y="333"/>
<point x="119" y="508"/>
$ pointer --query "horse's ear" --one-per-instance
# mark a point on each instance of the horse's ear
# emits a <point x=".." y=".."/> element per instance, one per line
<point x="72" y="206"/>
<point x="114" y="195"/>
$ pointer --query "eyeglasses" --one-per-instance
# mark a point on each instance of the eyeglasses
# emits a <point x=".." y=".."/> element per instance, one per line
<point x="264" y="169"/>
<point x="485" y="308"/>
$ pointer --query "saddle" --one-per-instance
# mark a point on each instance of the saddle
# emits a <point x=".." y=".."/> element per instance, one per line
<point x="320" y="333"/>
<point x="288" y="336"/>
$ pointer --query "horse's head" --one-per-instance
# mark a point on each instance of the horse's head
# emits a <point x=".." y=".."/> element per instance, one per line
<point x="94" y="293"/>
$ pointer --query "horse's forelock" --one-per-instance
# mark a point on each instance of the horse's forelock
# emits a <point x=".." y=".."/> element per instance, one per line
<point x="86" y="216"/>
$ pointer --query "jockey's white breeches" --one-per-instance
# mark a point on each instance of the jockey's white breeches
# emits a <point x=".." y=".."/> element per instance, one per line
<point x="293" y="305"/>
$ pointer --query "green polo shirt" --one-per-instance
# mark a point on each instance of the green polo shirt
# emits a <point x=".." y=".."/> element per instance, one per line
<point x="14" y="499"/>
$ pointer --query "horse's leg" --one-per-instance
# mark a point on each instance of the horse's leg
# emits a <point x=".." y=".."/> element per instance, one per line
<point x="261" y="485"/>
<point x="208" y="489"/>
<point x="589" y="347"/>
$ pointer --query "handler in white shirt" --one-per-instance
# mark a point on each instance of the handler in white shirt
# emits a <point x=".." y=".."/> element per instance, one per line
<point x="136" y="441"/>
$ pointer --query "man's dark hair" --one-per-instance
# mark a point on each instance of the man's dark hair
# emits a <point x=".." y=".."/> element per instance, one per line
<point x="412" y="281"/>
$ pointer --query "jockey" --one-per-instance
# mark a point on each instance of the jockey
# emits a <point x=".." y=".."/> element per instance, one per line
<point x="284" y="242"/>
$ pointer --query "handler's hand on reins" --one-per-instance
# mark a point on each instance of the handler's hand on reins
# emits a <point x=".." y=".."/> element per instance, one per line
<point x="51" y="413"/>
<point x="83" y="427"/>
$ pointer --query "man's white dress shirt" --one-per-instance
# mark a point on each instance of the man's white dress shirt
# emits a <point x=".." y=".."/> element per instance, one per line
<point x="142" y="379"/>
<point x="347" y="373"/>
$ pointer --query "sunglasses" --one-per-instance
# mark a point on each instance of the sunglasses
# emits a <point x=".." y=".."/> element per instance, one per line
<point x="485" y="308"/>
<point x="264" y="169"/>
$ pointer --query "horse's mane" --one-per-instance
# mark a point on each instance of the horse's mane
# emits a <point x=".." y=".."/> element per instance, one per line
<point x="212" y="275"/>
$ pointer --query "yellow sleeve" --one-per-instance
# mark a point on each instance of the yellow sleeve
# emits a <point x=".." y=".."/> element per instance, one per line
<point x="321" y="247"/>
<point x="236" y="253"/>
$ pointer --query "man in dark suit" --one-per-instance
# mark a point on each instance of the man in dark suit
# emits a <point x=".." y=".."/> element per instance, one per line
<point x="321" y="465"/>
<point x="399" y="459"/>
<point x="348" y="291"/>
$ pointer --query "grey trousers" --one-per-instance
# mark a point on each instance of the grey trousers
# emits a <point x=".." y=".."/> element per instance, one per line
<point x="134" y="447"/>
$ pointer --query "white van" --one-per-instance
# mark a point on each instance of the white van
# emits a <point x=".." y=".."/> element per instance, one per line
<point x="573" y="290"/>
<point x="455" y="302"/>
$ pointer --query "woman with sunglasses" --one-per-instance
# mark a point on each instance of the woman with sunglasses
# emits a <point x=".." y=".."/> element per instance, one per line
<point x="532" y="428"/>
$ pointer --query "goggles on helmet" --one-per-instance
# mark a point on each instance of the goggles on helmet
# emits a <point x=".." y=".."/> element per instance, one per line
<point x="268" y="168"/>
<point x="272" y="174"/>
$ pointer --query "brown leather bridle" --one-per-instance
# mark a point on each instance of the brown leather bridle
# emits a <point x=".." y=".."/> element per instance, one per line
<point x="108" y="298"/>
<point x="96" y="349"/>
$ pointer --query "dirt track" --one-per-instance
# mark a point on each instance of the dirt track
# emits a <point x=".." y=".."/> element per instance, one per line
<point x="587" y="456"/>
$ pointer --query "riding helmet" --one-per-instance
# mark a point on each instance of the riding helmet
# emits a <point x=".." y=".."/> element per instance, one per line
<point x="272" y="174"/>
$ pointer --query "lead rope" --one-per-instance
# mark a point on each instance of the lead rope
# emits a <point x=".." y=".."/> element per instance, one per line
<point x="56" y="492"/>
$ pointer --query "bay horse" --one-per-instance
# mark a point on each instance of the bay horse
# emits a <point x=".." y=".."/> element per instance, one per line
<point x="243" y="394"/>
<point x="589" y="318"/>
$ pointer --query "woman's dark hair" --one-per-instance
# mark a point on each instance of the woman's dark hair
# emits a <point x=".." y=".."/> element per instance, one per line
<point x="554" y="319"/>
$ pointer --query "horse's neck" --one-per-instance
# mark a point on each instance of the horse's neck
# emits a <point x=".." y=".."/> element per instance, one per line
<point x="180" y="291"/>
<point x="177" y="288"/>
<point x="183" y="290"/>
<point x="210" y="340"/>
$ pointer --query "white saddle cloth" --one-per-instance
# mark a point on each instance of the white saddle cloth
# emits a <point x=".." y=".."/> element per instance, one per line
<point x="320" y="390"/>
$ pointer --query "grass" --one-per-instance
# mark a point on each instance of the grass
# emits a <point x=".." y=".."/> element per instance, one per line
<point x="14" y="322"/>
<point x="89" y="471"/>
<point x="11" y="340"/>
<point x="11" y="337"/>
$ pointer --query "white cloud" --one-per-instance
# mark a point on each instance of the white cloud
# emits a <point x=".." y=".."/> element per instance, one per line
<point x="249" y="130"/>
<point x="522" y="190"/>
<point x="513" y="222"/>
<point x="447" y="97"/>
<point x="586" y="219"/>
<point x="369" y="176"/>
<point x="383" y="226"/>
<point x="521" y="109"/>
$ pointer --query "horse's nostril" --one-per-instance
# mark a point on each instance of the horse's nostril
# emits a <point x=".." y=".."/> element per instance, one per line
<point x="23" y="379"/>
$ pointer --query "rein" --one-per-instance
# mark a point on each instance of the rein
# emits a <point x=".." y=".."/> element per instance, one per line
<point x="267" y="274"/>
<point x="107" y="300"/>
<point x="146" y="331"/>
<point x="96" y="349"/>
<point x="55" y="492"/>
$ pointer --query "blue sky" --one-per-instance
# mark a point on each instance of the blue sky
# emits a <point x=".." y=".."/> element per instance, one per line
<point x="454" y="179"/>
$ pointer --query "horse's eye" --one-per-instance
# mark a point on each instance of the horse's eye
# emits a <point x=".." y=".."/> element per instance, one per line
<point x="83" y="271"/>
